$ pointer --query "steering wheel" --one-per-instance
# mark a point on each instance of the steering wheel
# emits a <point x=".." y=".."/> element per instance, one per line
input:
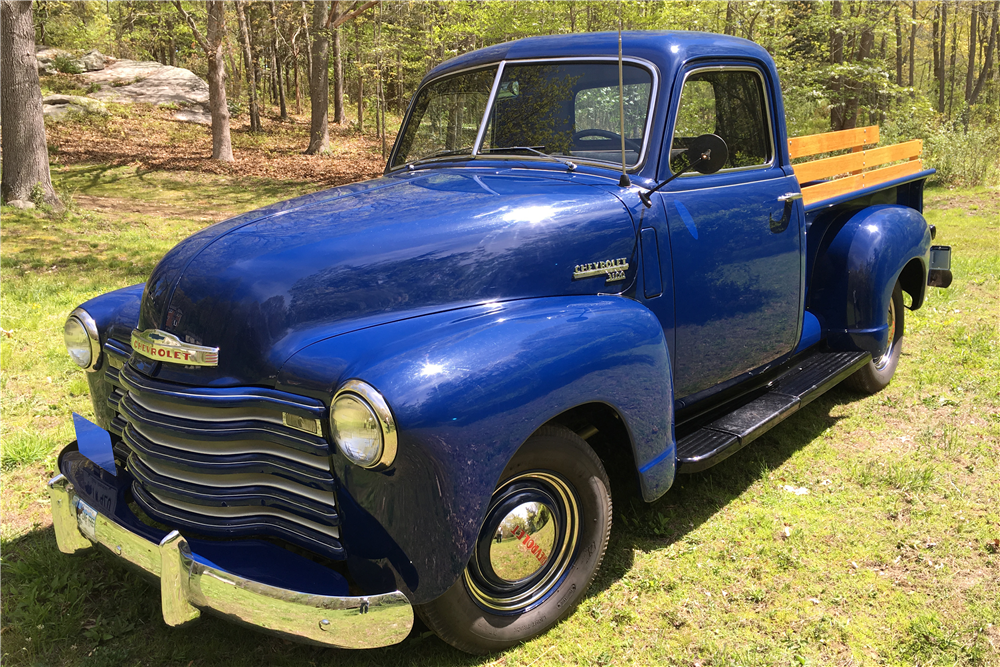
<point x="607" y="134"/>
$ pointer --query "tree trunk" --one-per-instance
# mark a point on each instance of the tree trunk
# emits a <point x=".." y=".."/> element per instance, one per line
<point x="338" y="80"/>
<point x="25" y="157"/>
<point x="361" y="77"/>
<point x="913" y="38"/>
<point x="971" y="71"/>
<point x="319" y="82"/>
<point x="836" y="58"/>
<point x="899" y="49"/>
<point x="936" y="42"/>
<point x="943" y="43"/>
<point x="298" y="91"/>
<point x="276" y="62"/>
<point x="951" y="64"/>
<point x="255" y="125"/>
<point x="222" y="147"/>
<point x="988" y="60"/>
<point x="730" y="28"/>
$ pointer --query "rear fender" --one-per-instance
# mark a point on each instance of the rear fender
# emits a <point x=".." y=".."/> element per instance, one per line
<point x="857" y="266"/>
<point x="467" y="388"/>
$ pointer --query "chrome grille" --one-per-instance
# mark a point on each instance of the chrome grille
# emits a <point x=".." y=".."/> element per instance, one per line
<point x="222" y="462"/>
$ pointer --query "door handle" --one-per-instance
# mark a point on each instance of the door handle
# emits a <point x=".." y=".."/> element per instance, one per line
<point x="789" y="199"/>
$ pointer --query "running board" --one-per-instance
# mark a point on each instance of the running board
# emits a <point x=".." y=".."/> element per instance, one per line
<point x="794" y="389"/>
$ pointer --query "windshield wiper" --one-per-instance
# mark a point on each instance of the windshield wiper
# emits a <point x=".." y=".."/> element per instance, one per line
<point x="569" y="165"/>
<point x="456" y="151"/>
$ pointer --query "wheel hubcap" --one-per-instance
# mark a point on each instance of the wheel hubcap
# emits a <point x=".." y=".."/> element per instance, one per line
<point x="527" y="543"/>
<point x="883" y="360"/>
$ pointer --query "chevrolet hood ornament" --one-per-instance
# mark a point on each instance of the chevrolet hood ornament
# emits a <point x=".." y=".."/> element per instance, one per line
<point x="163" y="346"/>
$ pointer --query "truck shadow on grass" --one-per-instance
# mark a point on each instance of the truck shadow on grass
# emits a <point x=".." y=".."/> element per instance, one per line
<point x="60" y="609"/>
<point x="696" y="498"/>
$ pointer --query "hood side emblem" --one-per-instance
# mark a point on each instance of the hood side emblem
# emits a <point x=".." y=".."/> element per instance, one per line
<point x="163" y="346"/>
<point x="613" y="269"/>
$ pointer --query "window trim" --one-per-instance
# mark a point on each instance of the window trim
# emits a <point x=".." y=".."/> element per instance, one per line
<point x="769" y="121"/>
<point x="501" y="65"/>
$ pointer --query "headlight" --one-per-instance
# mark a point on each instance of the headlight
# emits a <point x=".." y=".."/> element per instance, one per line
<point x="82" y="340"/>
<point x="362" y="425"/>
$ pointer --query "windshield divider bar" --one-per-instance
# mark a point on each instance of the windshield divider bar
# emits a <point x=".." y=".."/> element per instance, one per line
<point x="489" y="108"/>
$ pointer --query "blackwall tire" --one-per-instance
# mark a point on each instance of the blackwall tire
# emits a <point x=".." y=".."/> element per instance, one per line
<point x="501" y="601"/>
<point x="877" y="373"/>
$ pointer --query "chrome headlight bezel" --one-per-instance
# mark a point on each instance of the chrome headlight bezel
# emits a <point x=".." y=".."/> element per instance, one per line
<point x="83" y="318"/>
<point x="379" y="408"/>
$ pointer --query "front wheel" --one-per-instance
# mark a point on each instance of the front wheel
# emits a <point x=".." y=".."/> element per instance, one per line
<point x="538" y="550"/>
<point x="876" y="374"/>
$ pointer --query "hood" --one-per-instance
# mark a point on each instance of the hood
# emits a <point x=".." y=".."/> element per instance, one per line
<point x="266" y="284"/>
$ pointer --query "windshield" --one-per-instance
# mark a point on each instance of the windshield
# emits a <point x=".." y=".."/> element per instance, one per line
<point x="557" y="108"/>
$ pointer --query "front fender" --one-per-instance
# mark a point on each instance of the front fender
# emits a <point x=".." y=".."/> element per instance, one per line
<point x="116" y="314"/>
<point x="467" y="388"/>
<point x="857" y="266"/>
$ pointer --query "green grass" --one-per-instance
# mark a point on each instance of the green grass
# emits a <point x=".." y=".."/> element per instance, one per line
<point x="890" y="558"/>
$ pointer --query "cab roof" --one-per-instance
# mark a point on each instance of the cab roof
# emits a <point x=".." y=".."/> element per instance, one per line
<point x="665" y="49"/>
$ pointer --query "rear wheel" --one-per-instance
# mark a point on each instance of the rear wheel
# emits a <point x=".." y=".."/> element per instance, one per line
<point x="875" y="376"/>
<point x="538" y="550"/>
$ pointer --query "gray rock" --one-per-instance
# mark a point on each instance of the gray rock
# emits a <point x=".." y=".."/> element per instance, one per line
<point x="21" y="204"/>
<point x="58" y="107"/>
<point x="90" y="61"/>
<point x="93" y="60"/>
<point x="154" y="83"/>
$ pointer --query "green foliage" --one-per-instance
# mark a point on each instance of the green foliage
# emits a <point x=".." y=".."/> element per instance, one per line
<point x="22" y="447"/>
<point x="66" y="64"/>
<point x="72" y="25"/>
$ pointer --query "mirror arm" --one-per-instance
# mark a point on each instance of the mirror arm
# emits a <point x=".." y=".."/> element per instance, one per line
<point x="644" y="196"/>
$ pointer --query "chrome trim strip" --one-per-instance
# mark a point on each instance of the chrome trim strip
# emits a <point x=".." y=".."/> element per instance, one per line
<point x="188" y="584"/>
<point x="489" y="107"/>
<point x="382" y="411"/>
<point x="90" y="326"/>
<point x="242" y="512"/>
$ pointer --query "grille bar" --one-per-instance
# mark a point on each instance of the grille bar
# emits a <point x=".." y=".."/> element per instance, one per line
<point x="221" y="462"/>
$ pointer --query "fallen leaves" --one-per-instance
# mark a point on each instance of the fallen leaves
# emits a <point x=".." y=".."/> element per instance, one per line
<point x="148" y="137"/>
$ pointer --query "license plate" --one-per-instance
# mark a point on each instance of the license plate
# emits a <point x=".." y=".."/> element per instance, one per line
<point x="86" y="519"/>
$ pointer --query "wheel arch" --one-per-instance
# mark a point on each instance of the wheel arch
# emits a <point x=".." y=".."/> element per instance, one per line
<point x="467" y="389"/>
<point x="859" y="261"/>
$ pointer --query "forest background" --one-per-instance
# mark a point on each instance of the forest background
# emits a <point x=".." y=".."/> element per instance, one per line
<point x="927" y="70"/>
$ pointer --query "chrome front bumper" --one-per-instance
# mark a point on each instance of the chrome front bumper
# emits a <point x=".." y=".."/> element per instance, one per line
<point x="189" y="584"/>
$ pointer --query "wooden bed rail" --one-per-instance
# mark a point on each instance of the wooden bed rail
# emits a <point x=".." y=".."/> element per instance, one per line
<point x="850" y="168"/>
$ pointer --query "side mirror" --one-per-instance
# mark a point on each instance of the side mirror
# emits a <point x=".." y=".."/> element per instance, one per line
<point x="707" y="154"/>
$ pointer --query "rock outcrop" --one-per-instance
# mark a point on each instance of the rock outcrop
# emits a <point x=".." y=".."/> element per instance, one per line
<point x="127" y="81"/>
<point x="91" y="61"/>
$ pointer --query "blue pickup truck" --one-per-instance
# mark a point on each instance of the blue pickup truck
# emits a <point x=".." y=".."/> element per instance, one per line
<point x="401" y="396"/>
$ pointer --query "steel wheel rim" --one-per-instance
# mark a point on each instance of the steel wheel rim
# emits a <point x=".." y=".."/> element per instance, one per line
<point x="883" y="360"/>
<point x="500" y="595"/>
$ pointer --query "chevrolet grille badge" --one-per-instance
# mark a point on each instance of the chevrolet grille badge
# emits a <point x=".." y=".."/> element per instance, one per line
<point x="163" y="346"/>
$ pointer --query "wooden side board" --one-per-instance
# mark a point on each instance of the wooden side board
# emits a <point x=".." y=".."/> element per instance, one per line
<point x="855" y="162"/>
<point x="821" y="191"/>
<point x="850" y="167"/>
<point x="827" y="142"/>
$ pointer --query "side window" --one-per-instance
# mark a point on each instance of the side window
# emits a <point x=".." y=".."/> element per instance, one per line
<point x="727" y="103"/>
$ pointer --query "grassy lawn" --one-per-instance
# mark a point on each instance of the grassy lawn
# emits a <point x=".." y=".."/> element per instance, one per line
<point x="863" y="530"/>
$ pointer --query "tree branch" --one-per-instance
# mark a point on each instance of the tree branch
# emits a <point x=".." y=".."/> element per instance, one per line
<point x="194" y="28"/>
<point x="331" y="24"/>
